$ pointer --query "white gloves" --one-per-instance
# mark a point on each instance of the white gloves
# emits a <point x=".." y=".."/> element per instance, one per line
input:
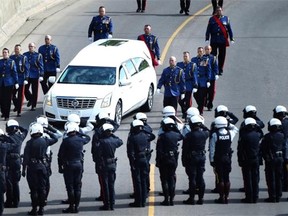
<point x="90" y="39"/>
<point x="194" y="90"/>
<point x="159" y="62"/>
<point x="158" y="91"/>
<point x="16" y="86"/>
<point x="25" y="82"/>
<point x="208" y="84"/>
<point x="58" y="70"/>
<point x="232" y="42"/>
<point x="216" y="77"/>
<point x="110" y="36"/>
<point x="40" y="79"/>
<point x="207" y="42"/>
<point x="182" y="96"/>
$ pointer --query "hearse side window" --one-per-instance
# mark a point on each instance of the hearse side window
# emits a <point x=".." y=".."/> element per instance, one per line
<point x="130" y="67"/>
<point x="140" y="63"/>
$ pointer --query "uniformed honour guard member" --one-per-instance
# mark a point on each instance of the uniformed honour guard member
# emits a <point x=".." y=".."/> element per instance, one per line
<point x="22" y="66"/>
<point x="36" y="73"/>
<point x="151" y="42"/>
<point x="248" y="152"/>
<point x="173" y="80"/>
<point x="193" y="158"/>
<point x="70" y="163"/>
<point x="5" y="145"/>
<point x="51" y="61"/>
<point x="101" y="26"/>
<point x="273" y="147"/>
<point x="167" y="159"/>
<point x="204" y="77"/>
<point x="220" y="155"/>
<point x="34" y="162"/>
<point x="141" y="6"/>
<point x="8" y="80"/>
<point x="190" y="70"/>
<point x="211" y="91"/>
<point x="138" y="148"/>
<point x="107" y="147"/>
<point x="184" y="5"/>
<point x="219" y="32"/>
<point x="13" y="174"/>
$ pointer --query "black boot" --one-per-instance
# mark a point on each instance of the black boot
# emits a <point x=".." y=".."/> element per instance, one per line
<point x="71" y="200"/>
<point x="40" y="211"/>
<point x="165" y="202"/>
<point x="226" y="192"/>
<point x="143" y="6"/>
<point x="220" y="188"/>
<point x="33" y="211"/>
<point x="182" y="6"/>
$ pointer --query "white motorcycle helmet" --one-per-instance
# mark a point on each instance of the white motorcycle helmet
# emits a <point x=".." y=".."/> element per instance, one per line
<point x="192" y="111"/>
<point x="168" y="111"/>
<point x="137" y="122"/>
<point x="74" y="118"/>
<point x="141" y="116"/>
<point x="36" y="128"/>
<point x="43" y="120"/>
<point x="220" y="122"/>
<point x="72" y="127"/>
<point x="107" y="126"/>
<point x="12" y="123"/>
<point x="250" y="121"/>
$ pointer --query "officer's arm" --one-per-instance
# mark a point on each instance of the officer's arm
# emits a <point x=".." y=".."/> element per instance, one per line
<point x="57" y="57"/>
<point x="161" y="80"/>
<point x="230" y="32"/>
<point x="233" y="119"/>
<point x="208" y="31"/>
<point x="91" y="27"/>
<point x="182" y="81"/>
<point x="53" y="138"/>
<point x="110" y="26"/>
<point x="157" y="49"/>
<point x="26" y="67"/>
<point x="212" y="143"/>
<point x="40" y="64"/>
<point x="214" y="66"/>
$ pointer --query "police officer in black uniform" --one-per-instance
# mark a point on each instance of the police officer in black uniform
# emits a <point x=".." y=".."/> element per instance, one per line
<point x="108" y="143"/>
<point x="185" y="5"/>
<point x="70" y="162"/>
<point x="5" y="146"/>
<point x="13" y="174"/>
<point x="138" y="147"/>
<point x="35" y="162"/>
<point x="273" y="147"/>
<point x="167" y="158"/>
<point x="249" y="158"/>
<point x="101" y="118"/>
<point x="216" y="3"/>
<point x="220" y="154"/>
<point x="193" y="158"/>
<point x="280" y="112"/>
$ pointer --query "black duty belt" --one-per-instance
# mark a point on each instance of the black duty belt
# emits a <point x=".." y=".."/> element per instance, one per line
<point x="110" y="160"/>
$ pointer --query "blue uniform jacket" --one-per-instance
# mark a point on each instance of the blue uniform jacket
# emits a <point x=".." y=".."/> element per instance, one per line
<point x="101" y="26"/>
<point x="173" y="80"/>
<point x="214" y="66"/>
<point x="204" y="70"/>
<point x="214" y="31"/>
<point x="22" y="66"/>
<point x="191" y="73"/>
<point x="51" y="57"/>
<point x="35" y="60"/>
<point x="8" y="73"/>
<point x="152" y="43"/>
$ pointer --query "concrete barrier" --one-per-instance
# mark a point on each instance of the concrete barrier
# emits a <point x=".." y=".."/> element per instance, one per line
<point x="14" y="13"/>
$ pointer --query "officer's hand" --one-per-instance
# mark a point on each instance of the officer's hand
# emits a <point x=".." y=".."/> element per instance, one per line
<point x="158" y="91"/>
<point x="23" y="173"/>
<point x="194" y="90"/>
<point x="25" y="82"/>
<point x="182" y="96"/>
<point x="232" y="42"/>
<point x="110" y="36"/>
<point x="60" y="169"/>
<point x="207" y="42"/>
<point x="58" y="70"/>
<point x="159" y="62"/>
<point x="40" y="79"/>
<point x="16" y="86"/>
<point x="90" y="39"/>
<point x="212" y="164"/>
<point x="208" y="84"/>
<point x="216" y="77"/>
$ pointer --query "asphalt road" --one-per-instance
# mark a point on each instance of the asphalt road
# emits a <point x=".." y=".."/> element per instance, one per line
<point x="255" y="73"/>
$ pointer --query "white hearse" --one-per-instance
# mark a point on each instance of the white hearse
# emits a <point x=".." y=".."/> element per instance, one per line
<point x="111" y="75"/>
